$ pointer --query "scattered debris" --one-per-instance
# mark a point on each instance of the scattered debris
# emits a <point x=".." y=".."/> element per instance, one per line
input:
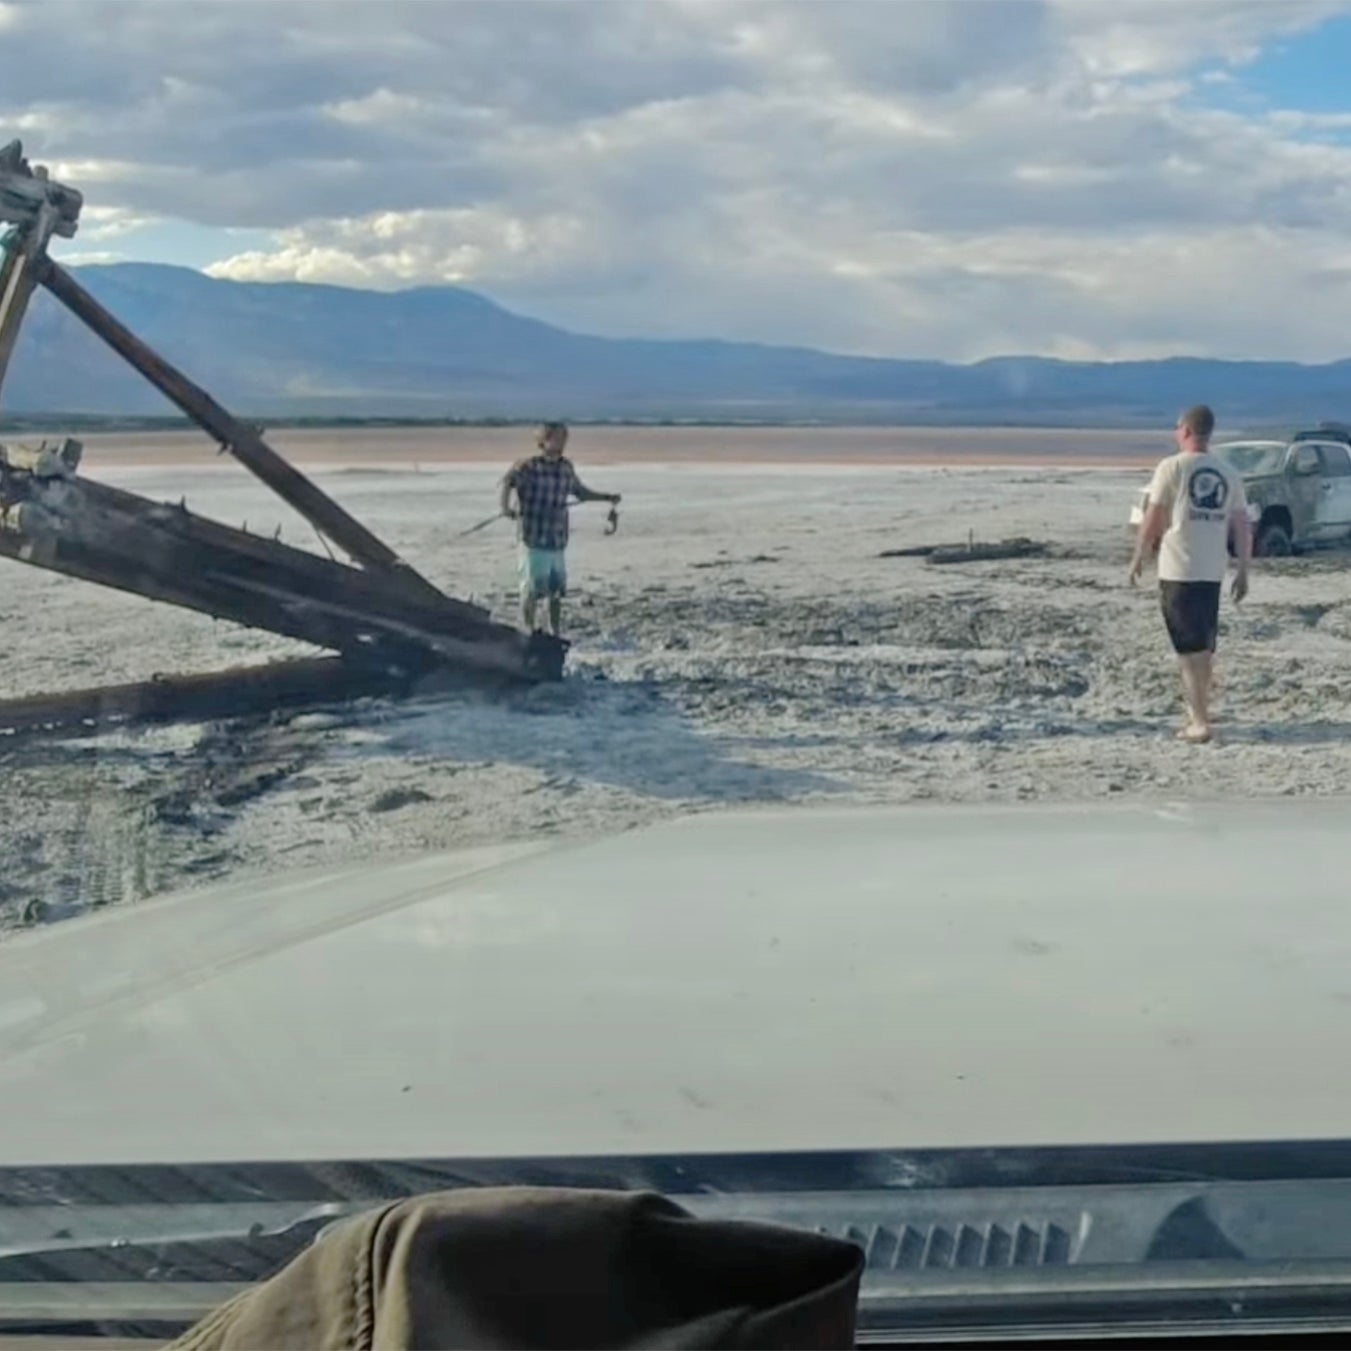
<point x="737" y="562"/>
<point x="974" y="553"/>
<point x="971" y="552"/>
<point x="917" y="551"/>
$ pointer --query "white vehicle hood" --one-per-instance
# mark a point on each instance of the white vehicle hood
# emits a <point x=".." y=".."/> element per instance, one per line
<point x="928" y="977"/>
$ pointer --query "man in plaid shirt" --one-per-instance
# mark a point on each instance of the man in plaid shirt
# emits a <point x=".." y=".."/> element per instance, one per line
<point x="542" y="486"/>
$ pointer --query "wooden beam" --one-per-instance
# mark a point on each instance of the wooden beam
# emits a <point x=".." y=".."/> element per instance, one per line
<point x="298" y="567"/>
<point x="206" y="595"/>
<point x="241" y="440"/>
<point x="17" y="284"/>
<point x="107" y="535"/>
<point x="236" y="692"/>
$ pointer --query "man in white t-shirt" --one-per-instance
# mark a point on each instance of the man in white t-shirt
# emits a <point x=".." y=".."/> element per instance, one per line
<point x="1196" y="507"/>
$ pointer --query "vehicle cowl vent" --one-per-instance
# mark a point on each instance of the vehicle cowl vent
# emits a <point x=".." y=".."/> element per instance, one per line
<point x="942" y="1247"/>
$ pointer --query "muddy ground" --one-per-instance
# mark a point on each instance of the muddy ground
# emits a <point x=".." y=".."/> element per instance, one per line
<point x="739" y="641"/>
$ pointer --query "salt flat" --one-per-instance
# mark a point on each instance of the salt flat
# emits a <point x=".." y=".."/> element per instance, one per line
<point x="738" y="642"/>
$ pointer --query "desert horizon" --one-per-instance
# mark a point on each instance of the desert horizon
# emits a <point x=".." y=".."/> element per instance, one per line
<point x="407" y="448"/>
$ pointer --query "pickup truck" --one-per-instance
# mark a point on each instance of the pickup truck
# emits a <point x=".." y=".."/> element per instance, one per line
<point x="1298" y="490"/>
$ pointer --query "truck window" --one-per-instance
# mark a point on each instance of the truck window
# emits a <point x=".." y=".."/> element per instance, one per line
<point x="1336" y="460"/>
<point x="1305" y="460"/>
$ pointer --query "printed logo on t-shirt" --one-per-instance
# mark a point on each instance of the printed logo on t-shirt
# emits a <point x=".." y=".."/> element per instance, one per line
<point x="1208" y="492"/>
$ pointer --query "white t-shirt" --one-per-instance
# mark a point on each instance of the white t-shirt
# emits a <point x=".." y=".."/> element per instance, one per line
<point x="1201" y="493"/>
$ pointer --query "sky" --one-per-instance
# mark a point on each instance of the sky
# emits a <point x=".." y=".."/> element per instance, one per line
<point x="955" y="179"/>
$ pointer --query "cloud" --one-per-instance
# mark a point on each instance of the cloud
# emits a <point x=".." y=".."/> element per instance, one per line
<point x="405" y="248"/>
<point x="100" y="223"/>
<point x="90" y="257"/>
<point x="1153" y="37"/>
<point x="946" y="179"/>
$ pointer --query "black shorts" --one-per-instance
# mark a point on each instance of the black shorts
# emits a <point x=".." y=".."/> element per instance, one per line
<point x="1191" y="611"/>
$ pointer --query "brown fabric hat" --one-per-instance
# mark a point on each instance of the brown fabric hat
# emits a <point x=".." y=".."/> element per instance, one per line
<point x="527" y="1267"/>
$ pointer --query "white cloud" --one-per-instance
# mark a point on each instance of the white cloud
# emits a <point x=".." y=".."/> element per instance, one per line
<point x="89" y="257"/>
<point x="1289" y="121"/>
<point x="942" y="179"/>
<point x="306" y="262"/>
<point x="1153" y="37"/>
<point x="381" y="107"/>
<point x="392" y="249"/>
<point x="98" y="223"/>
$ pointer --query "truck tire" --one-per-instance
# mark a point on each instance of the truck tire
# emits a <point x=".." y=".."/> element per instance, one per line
<point x="1273" y="541"/>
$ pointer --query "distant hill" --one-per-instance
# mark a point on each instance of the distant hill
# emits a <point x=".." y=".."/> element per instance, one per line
<point x="296" y="349"/>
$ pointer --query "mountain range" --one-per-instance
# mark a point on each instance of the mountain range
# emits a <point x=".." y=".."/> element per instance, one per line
<point x="294" y="349"/>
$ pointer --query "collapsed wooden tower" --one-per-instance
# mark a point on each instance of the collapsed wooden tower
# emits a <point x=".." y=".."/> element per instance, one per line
<point x="387" y="623"/>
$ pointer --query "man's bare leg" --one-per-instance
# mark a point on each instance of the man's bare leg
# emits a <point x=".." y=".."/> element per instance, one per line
<point x="528" y="604"/>
<point x="556" y="616"/>
<point x="1197" y="671"/>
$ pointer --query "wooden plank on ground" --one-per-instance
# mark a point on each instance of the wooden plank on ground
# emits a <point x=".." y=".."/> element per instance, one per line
<point x="232" y="693"/>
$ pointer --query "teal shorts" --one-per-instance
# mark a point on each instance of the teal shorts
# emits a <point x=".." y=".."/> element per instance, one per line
<point x="544" y="573"/>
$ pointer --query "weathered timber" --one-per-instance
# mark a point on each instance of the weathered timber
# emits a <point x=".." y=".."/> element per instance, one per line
<point x="37" y="208"/>
<point x="43" y="460"/>
<point x="240" y="439"/>
<point x="32" y="201"/>
<point x="103" y="534"/>
<point x="233" y="693"/>
<point x="16" y="290"/>
<point x="916" y="551"/>
<point x="980" y="553"/>
<point x="298" y="566"/>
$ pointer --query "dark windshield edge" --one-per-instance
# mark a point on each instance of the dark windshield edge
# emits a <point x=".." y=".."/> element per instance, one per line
<point x="683" y="1174"/>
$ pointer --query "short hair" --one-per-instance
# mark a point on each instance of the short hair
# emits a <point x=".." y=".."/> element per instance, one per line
<point x="552" y="429"/>
<point x="1199" y="420"/>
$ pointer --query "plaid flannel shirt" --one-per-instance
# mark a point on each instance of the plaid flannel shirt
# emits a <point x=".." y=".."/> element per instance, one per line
<point x="543" y="487"/>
